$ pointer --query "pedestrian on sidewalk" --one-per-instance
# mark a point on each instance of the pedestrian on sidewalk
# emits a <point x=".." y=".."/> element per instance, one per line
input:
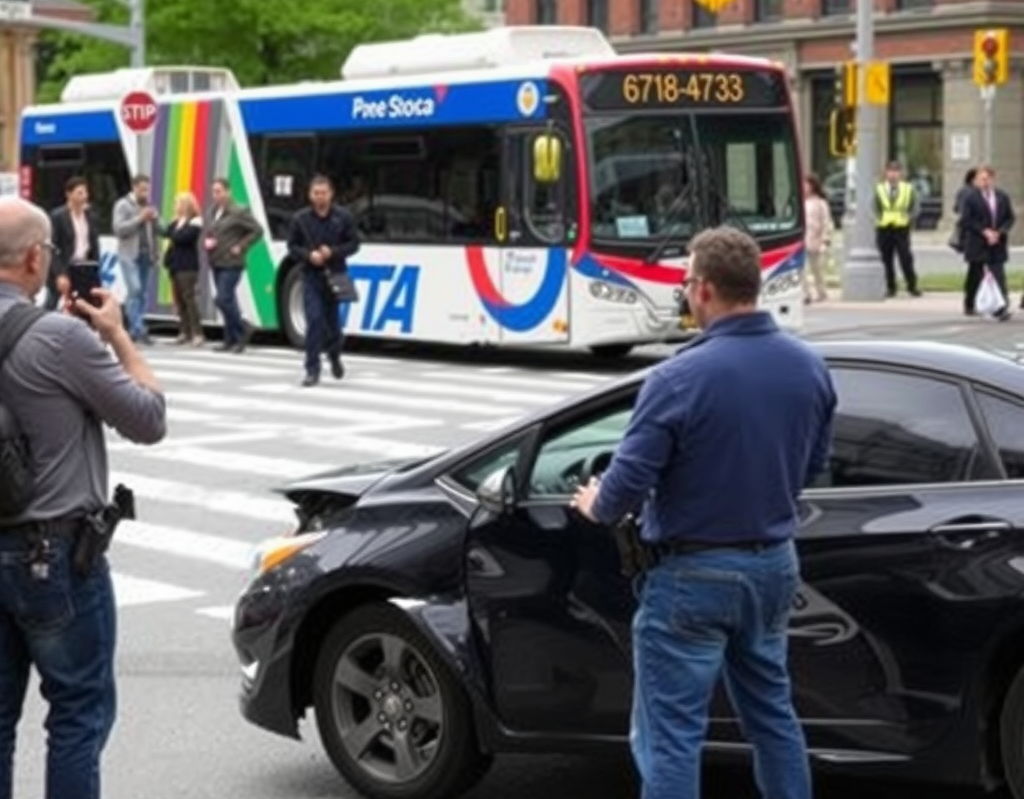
<point x="719" y="531"/>
<point x="818" y="238"/>
<point x="896" y="208"/>
<point x="136" y="224"/>
<point x="230" y="231"/>
<point x="61" y="381"/>
<point x="322" y="238"/>
<point x="987" y="216"/>
<point x="182" y="262"/>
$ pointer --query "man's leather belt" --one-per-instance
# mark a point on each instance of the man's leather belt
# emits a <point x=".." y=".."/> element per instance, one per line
<point x="47" y="528"/>
<point x="666" y="549"/>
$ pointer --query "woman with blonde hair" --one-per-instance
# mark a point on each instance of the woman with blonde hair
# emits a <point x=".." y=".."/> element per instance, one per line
<point x="182" y="261"/>
<point x="817" y="240"/>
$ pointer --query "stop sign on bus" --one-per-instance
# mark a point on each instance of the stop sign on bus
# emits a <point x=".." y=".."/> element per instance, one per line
<point x="138" y="111"/>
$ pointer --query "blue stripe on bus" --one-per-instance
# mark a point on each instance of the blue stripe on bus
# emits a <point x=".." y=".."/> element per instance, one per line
<point x="500" y="101"/>
<point x="72" y="128"/>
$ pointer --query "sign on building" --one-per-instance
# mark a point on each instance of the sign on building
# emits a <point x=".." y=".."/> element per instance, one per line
<point x="15" y="10"/>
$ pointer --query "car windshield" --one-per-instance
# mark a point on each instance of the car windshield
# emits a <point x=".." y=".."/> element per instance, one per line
<point x="674" y="174"/>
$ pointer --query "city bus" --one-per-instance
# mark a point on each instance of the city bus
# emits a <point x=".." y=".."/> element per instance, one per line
<point x="520" y="186"/>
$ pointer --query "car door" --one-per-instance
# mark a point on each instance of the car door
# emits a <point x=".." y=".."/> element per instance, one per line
<point x="888" y="622"/>
<point x="544" y="586"/>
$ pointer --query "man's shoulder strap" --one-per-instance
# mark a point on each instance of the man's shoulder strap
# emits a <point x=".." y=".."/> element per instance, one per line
<point x="15" y="323"/>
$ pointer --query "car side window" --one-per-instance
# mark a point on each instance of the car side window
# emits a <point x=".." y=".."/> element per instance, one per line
<point x="1005" y="422"/>
<point x="571" y="454"/>
<point x="472" y="475"/>
<point x="898" y="429"/>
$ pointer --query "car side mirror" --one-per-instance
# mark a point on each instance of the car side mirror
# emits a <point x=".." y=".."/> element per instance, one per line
<point x="498" y="492"/>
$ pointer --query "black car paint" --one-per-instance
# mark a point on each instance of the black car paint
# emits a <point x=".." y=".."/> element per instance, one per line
<point x="916" y="642"/>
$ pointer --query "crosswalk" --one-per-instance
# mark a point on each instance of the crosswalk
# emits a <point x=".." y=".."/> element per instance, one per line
<point x="239" y="426"/>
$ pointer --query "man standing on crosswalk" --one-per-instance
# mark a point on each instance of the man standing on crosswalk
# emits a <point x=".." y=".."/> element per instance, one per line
<point x="322" y="238"/>
<point x="60" y="383"/>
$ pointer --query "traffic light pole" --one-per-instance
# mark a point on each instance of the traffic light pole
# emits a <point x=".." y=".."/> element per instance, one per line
<point x="862" y="276"/>
<point x="988" y="100"/>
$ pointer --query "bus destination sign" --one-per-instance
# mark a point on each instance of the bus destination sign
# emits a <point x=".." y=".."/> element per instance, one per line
<point x="688" y="87"/>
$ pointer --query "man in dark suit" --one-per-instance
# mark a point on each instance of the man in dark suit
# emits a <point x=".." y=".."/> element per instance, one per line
<point x="986" y="219"/>
<point x="76" y="238"/>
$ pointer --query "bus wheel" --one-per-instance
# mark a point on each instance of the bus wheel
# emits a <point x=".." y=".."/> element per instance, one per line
<point x="292" y="311"/>
<point x="611" y="351"/>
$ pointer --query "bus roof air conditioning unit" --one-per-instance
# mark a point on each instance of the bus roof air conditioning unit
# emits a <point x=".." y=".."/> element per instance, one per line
<point x="156" y="80"/>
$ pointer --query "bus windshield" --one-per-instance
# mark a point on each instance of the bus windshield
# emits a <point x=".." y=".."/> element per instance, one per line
<point x="669" y="175"/>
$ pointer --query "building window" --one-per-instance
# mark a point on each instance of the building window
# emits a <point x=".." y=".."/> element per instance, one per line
<point x="915" y="131"/>
<point x="834" y="8"/>
<point x="767" y="10"/>
<point x="701" y="17"/>
<point x="597" y="14"/>
<point x="913" y="5"/>
<point x="649" y="16"/>
<point x="546" y="12"/>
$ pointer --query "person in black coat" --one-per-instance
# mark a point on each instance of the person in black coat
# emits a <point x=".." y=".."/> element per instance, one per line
<point x="986" y="217"/>
<point x="182" y="261"/>
<point x="76" y="238"/>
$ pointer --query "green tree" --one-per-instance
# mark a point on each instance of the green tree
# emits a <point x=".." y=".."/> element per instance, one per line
<point x="261" y="41"/>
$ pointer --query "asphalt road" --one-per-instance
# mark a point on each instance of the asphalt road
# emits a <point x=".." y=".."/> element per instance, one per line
<point x="241" y="425"/>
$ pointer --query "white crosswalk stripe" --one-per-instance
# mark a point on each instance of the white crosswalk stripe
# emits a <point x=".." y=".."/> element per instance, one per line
<point x="241" y="425"/>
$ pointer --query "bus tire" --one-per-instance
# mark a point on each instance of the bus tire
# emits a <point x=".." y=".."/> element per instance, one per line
<point x="611" y="351"/>
<point x="291" y="310"/>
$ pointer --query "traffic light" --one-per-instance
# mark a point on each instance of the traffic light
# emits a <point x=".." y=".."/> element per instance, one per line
<point x="991" y="57"/>
<point x="846" y="85"/>
<point x="843" y="132"/>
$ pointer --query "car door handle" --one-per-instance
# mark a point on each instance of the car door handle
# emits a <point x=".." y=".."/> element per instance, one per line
<point x="959" y="528"/>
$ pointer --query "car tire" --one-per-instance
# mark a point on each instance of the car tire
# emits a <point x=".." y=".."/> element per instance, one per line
<point x="291" y="310"/>
<point x="611" y="351"/>
<point x="1011" y="736"/>
<point x="392" y="717"/>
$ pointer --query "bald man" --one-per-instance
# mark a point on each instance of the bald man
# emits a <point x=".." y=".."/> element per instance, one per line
<point x="62" y="381"/>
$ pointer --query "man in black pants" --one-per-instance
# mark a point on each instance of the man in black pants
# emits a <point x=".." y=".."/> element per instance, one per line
<point x="986" y="217"/>
<point x="896" y="207"/>
<point x="321" y="239"/>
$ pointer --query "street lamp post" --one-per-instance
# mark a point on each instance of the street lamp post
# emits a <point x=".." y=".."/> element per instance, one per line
<point x="862" y="278"/>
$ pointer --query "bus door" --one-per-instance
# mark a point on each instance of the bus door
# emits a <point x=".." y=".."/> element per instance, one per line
<point x="531" y="226"/>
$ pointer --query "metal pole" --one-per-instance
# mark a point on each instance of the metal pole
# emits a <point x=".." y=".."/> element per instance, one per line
<point x="862" y="271"/>
<point x="137" y="26"/>
<point x="988" y="97"/>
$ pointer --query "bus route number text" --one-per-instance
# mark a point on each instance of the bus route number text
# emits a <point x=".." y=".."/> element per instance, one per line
<point x="697" y="87"/>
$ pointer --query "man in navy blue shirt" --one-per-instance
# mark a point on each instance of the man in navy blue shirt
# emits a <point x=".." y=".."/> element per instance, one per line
<point x="723" y="438"/>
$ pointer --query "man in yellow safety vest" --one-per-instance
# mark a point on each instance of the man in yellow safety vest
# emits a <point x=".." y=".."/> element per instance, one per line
<point x="896" y="208"/>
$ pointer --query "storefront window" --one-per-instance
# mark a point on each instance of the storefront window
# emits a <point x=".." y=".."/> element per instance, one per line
<point x="915" y="134"/>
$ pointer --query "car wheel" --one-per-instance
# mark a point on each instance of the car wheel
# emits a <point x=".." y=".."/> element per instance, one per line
<point x="292" y="311"/>
<point x="611" y="351"/>
<point x="1011" y="735"/>
<point x="392" y="717"/>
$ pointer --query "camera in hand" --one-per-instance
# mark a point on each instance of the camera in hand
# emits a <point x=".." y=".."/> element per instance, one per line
<point x="84" y="277"/>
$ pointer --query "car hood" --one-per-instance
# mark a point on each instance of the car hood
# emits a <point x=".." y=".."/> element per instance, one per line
<point x="349" y="482"/>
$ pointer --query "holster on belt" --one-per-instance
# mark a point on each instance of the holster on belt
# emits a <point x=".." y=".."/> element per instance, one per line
<point x="634" y="555"/>
<point x="98" y="530"/>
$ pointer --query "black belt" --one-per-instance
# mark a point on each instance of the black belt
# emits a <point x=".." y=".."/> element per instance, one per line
<point x="46" y="528"/>
<point x="666" y="549"/>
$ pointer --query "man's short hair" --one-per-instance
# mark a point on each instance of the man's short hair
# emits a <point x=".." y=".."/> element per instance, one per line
<point x="74" y="183"/>
<point x="321" y="180"/>
<point x="224" y="183"/>
<point x="138" y="180"/>
<point x="729" y="260"/>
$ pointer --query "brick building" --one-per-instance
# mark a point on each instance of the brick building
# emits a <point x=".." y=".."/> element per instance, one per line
<point x="934" y="122"/>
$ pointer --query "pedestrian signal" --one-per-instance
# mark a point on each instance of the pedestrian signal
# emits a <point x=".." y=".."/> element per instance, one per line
<point x="843" y="132"/>
<point x="991" y="57"/>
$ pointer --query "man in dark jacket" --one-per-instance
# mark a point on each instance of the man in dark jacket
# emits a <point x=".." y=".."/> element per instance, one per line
<point x="321" y="239"/>
<point x="76" y="238"/>
<point x="230" y="231"/>
<point x="986" y="217"/>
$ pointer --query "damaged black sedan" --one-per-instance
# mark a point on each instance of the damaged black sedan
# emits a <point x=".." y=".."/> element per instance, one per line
<point x="438" y="612"/>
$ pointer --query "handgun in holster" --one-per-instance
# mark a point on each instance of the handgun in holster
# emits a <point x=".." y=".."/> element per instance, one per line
<point x="98" y="530"/>
<point x="634" y="555"/>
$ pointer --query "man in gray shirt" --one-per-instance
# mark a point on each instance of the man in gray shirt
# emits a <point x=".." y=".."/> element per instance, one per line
<point x="62" y="384"/>
<point x="136" y="225"/>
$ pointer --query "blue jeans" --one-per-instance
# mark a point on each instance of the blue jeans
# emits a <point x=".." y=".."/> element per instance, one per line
<point x="136" y="279"/>
<point x="721" y="612"/>
<point x="226" y="280"/>
<point x="323" y="323"/>
<point x="66" y="627"/>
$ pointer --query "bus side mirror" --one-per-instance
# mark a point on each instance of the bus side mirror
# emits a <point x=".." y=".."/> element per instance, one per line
<point x="547" y="158"/>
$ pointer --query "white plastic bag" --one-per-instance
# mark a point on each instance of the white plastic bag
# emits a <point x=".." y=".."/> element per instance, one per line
<point x="990" y="299"/>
